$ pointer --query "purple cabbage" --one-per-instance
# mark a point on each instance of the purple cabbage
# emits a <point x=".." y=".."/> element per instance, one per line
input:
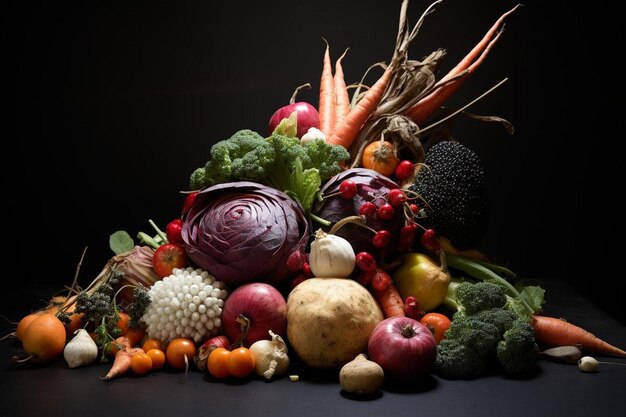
<point x="243" y="232"/>
<point x="371" y="186"/>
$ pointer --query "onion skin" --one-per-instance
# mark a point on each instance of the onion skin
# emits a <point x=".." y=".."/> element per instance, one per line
<point x="260" y="303"/>
<point x="403" y="357"/>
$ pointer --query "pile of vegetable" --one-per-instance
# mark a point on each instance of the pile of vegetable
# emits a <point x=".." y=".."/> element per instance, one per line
<point x="345" y="239"/>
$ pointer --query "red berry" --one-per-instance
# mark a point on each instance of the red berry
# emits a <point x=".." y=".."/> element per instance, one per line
<point x="189" y="201"/>
<point x="415" y="209"/>
<point x="430" y="241"/>
<point x="347" y="189"/>
<point x="381" y="280"/>
<point x="298" y="279"/>
<point x="365" y="261"/>
<point x="367" y="209"/>
<point x="381" y="238"/>
<point x="407" y="237"/>
<point x="411" y="309"/>
<point x="396" y="197"/>
<point x="404" y="170"/>
<point x="365" y="277"/>
<point x="385" y="212"/>
<point x="306" y="270"/>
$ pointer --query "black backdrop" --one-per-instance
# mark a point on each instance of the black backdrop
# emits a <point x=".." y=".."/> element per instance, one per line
<point x="111" y="105"/>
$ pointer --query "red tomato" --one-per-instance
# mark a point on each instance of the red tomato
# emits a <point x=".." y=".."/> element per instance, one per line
<point x="167" y="257"/>
<point x="437" y="323"/>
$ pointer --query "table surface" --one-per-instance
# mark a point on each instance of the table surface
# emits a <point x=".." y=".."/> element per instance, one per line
<point x="558" y="389"/>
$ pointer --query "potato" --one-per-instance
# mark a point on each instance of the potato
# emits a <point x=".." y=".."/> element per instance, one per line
<point x="329" y="321"/>
<point x="361" y="376"/>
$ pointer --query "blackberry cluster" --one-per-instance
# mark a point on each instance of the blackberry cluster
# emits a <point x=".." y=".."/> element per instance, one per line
<point x="454" y="186"/>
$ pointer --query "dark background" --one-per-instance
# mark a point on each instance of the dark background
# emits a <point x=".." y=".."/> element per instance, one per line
<point x="111" y="105"/>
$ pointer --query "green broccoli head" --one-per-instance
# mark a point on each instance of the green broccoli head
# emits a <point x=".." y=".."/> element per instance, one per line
<point x="458" y="361"/>
<point x="517" y="351"/>
<point x="325" y="158"/>
<point x="501" y="318"/>
<point x="197" y="179"/>
<point x="246" y="155"/>
<point x="483" y="295"/>
<point x="481" y="336"/>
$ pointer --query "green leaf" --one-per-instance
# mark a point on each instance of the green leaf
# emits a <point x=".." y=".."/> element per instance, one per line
<point x="305" y="184"/>
<point x="534" y="296"/>
<point x="121" y="242"/>
<point x="288" y="126"/>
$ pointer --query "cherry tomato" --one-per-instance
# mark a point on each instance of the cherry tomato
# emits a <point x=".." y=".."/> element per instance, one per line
<point x="437" y="323"/>
<point x="189" y="201"/>
<point x="404" y="170"/>
<point x="173" y="231"/>
<point x="158" y="358"/>
<point x="240" y="363"/>
<point x="141" y="363"/>
<point x="122" y="322"/>
<point x="179" y="349"/>
<point x="396" y="197"/>
<point x="347" y="189"/>
<point x="217" y="363"/>
<point x="407" y="237"/>
<point x="430" y="240"/>
<point x="415" y="209"/>
<point x="151" y="344"/>
<point x="135" y="335"/>
<point x="380" y="156"/>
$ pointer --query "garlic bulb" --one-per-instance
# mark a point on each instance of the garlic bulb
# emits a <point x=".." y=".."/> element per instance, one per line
<point x="331" y="256"/>
<point x="81" y="350"/>
<point x="270" y="356"/>
<point x="311" y="135"/>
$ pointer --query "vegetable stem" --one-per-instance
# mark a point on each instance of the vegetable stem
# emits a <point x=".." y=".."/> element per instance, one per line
<point x="159" y="231"/>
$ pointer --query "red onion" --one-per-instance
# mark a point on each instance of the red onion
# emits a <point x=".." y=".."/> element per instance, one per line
<point x="260" y="303"/>
<point x="403" y="347"/>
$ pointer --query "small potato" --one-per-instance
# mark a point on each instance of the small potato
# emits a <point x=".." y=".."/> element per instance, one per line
<point x="361" y="376"/>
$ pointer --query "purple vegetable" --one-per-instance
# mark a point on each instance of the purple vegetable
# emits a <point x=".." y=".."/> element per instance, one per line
<point x="371" y="186"/>
<point x="243" y="232"/>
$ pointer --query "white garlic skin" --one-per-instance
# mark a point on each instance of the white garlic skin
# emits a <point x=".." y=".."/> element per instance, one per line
<point x="331" y="256"/>
<point x="588" y="364"/>
<point x="81" y="350"/>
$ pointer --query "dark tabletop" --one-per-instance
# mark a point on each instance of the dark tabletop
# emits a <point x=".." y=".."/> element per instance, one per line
<point x="558" y="389"/>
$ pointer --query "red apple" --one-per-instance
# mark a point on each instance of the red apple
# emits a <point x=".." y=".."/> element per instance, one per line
<point x="308" y="116"/>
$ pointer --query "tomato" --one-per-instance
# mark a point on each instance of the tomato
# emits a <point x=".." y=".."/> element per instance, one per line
<point x="437" y="323"/>
<point x="240" y="363"/>
<point x="151" y="344"/>
<point x="158" y="358"/>
<point x="141" y="363"/>
<point x="167" y="257"/>
<point x="179" y="349"/>
<point x="217" y="363"/>
<point x="122" y="322"/>
<point x="173" y="231"/>
<point x="380" y="156"/>
<point x="135" y="335"/>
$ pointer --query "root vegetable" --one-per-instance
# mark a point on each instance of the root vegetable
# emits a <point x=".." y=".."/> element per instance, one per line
<point x="43" y="339"/>
<point x="329" y="321"/>
<point x="563" y="354"/>
<point x="361" y="376"/>
<point x="23" y="324"/>
<point x="270" y="356"/>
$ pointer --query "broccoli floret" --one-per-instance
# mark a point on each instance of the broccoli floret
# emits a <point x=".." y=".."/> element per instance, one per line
<point x="472" y="298"/>
<point x="455" y="360"/>
<point x="502" y="319"/>
<point x="197" y="179"/>
<point x="481" y="336"/>
<point x="517" y="351"/>
<point x="325" y="158"/>
<point x="246" y="155"/>
<point x="454" y="186"/>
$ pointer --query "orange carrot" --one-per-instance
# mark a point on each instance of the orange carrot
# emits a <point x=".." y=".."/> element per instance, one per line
<point x="452" y="81"/>
<point x="345" y="133"/>
<point x="121" y="363"/>
<point x="342" y="98"/>
<point x="327" y="96"/>
<point x="390" y="301"/>
<point x="551" y="331"/>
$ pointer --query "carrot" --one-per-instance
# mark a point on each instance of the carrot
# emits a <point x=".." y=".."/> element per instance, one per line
<point x="452" y="81"/>
<point x="342" y="98"/>
<point x="390" y="301"/>
<point x="123" y="358"/>
<point x="327" y="96"/>
<point x="551" y="331"/>
<point x="345" y="133"/>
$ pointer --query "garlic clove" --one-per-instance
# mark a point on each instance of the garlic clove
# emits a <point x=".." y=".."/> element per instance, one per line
<point x="81" y="350"/>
